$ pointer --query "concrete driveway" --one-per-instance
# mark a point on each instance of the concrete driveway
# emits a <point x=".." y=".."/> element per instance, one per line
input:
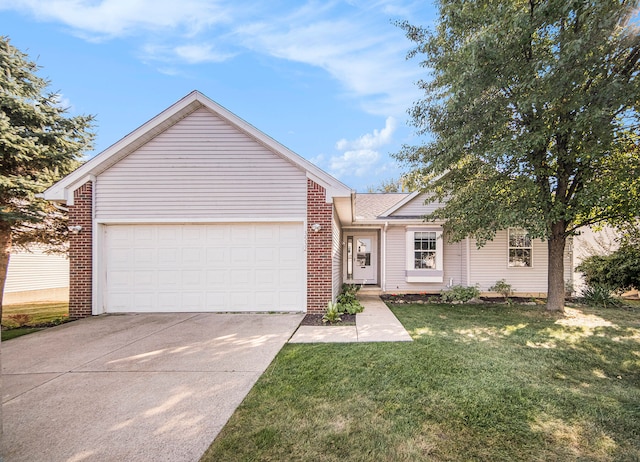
<point x="139" y="387"/>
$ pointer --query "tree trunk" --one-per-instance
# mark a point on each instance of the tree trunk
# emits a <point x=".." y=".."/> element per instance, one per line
<point x="5" y="251"/>
<point x="555" y="276"/>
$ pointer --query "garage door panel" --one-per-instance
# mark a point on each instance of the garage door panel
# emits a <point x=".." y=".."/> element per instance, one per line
<point x="168" y="301"/>
<point x="221" y="267"/>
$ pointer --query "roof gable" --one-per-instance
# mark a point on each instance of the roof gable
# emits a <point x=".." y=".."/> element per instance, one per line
<point x="62" y="191"/>
<point x="413" y="205"/>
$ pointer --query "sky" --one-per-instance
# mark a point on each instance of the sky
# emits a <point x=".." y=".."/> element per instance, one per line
<point x="327" y="79"/>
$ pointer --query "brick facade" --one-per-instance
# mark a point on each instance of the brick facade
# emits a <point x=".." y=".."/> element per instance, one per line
<point x="319" y="274"/>
<point x="80" y="253"/>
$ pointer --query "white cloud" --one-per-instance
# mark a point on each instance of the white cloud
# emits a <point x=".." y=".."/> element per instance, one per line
<point x="354" y="42"/>
<point x="116" y="18"/>
<point x="361" y="156"/>
<point x="368" y="61"/>
<point x="354" y="163"/>
<point x="371" y="140"/>
<point x="190" y="54"/>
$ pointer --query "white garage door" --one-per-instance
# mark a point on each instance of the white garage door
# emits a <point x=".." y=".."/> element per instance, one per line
<point x="221" y="267"/>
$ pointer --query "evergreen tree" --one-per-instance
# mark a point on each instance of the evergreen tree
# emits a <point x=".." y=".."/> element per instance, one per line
<point x="39" y="143"/>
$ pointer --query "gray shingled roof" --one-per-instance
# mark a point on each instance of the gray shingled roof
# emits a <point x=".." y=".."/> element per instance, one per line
<point x="370" y="206"/>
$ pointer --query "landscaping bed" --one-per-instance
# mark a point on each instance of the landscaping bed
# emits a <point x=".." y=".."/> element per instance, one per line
<point x="436" y="298"/>
<point x="316" y="320"/>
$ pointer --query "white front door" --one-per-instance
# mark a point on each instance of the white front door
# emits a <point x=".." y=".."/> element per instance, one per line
<point x="362" y="258"/>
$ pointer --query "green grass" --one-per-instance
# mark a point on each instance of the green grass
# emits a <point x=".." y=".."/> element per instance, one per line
<point x="30" y="316"/>
<point x="479" y="383"/>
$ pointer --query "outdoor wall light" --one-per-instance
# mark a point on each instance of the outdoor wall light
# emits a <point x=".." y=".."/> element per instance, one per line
<point x="316" y="227"/>
<point x="75" y="229"/>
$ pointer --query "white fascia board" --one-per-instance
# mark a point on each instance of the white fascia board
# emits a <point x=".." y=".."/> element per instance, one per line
<point x="400" y="204"/>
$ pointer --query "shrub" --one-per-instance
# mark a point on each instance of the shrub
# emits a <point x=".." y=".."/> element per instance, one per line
<point x="599" y="296"/>
<point x="501" y="287"/>
<point x="618" y="272"/>
<point x="333" y="314"/>
<point x="459" y="294"/>
<point x="20" y="319"/>
<point x="348" y="301"/>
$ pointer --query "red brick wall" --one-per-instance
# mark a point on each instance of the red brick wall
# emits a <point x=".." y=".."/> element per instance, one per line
<point x="319" y="287"/>
<point x="80" y="253"/>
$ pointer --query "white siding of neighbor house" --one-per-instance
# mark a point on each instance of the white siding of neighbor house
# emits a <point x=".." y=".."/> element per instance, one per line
<point x="336" y="254"/>
<point x="416" y="207"/>
<point x="36" y="271"/>
<point x="201" y="167"/>
<point x="453" y="264"/>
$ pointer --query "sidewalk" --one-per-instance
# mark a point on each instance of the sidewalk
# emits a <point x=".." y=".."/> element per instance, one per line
<point x="375" y="324"/>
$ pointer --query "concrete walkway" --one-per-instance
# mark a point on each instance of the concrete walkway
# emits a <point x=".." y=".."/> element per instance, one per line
<point x="375" y="324"/>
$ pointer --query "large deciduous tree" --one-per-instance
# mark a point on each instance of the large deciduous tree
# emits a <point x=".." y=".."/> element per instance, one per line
<point x="532" y="110"/>
<point x="38" y="144"/>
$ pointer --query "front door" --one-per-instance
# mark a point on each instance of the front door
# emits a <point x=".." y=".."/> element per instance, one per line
<point x="362" y="258"/>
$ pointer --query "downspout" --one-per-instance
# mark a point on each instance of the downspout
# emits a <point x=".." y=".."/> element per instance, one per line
<point x="468" y="262"/>
<point x="383" y="273"/>
<point x="95" y="309"/>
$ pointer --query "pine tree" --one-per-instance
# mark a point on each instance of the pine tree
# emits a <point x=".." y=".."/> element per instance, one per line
<point x="39" y="143"/>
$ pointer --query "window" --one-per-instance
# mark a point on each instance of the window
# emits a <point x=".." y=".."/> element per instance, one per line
<point x="424" y="255"/>
<point x="519" y="248"/>
<point x="424" y="244"/>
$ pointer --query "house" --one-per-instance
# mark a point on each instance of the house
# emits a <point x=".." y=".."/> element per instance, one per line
<point x="36" y="276"/>
<point x="197" y="210"/>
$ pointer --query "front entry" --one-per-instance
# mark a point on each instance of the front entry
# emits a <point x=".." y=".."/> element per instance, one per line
<point x="362" y="258"/>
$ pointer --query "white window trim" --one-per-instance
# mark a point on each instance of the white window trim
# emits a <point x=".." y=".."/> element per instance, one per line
<point x="509" y="266"/>
<point x="424" y="275"/>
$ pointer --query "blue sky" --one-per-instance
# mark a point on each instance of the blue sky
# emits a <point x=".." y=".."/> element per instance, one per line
<point x="329" y="79"/>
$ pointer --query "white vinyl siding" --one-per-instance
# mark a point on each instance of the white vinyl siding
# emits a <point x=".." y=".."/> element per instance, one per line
<point x="36" y="271"/>
<point x="336" y="255"/>
<point x="201" y="167"/>
<point x="490" y="263"/>
<point x="396" y="255"/>
<point x="416" y="207"/>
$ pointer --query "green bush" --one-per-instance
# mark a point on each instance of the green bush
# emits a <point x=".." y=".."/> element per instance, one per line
<point x="348" y="300"/>
<point x="618" y="272"/>
<point x="501" y="287"/>
<point x="599" y="296"/>
<point x="459" y="294"/>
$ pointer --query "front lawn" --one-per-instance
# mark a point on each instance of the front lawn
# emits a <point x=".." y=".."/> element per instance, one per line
<point x="480" y="382"/>
<point x="24" y="318"/>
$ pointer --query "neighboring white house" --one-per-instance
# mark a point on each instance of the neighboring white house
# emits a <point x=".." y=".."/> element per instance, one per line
<point x="36" y="276"/>
<point x="197" y="210"/>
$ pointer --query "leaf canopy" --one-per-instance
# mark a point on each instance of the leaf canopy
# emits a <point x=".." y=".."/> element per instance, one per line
<point x="532" y="112"/>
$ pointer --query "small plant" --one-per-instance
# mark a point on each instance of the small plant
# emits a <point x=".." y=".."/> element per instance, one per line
<point x="502" y="287"/>
<point x="599" y="296"/>
<point x="333" y="314"/>
<point x="20" y="319"/>
<point x="459" y="294"/>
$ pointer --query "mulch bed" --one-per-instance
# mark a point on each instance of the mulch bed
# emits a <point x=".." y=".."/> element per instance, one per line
<point x="435" y="298"/>
<point x="316" y="320"/>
